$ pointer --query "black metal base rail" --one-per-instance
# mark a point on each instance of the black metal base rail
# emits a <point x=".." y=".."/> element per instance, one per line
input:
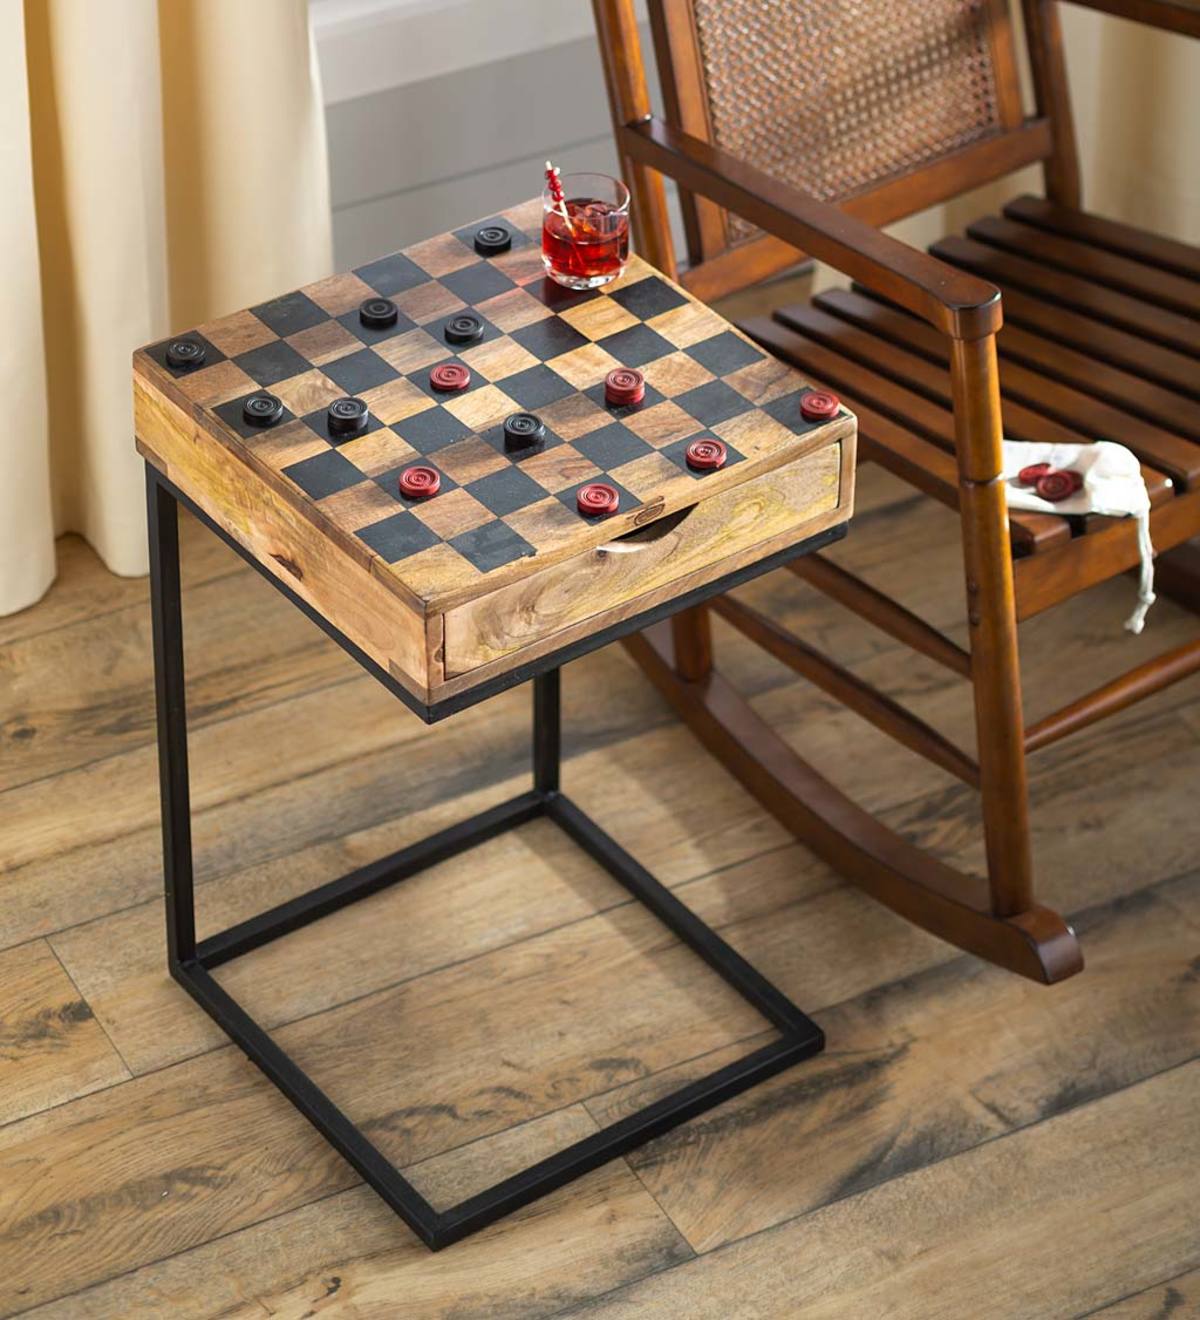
<point x="191" y="963"/>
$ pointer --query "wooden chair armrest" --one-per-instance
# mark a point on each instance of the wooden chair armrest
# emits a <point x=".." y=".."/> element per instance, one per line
<point x="1181" y="16"/>
<point x="959" y="304"/>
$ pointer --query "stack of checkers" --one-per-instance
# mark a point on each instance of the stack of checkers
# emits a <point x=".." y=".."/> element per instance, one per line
<point x="453" y="411"/>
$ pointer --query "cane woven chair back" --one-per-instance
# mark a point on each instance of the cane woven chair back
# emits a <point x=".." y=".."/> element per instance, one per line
<point x="846" y="99"/>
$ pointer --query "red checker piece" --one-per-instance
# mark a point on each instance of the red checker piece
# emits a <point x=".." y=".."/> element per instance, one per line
<point x="1055" y="486"/>
<point x="705" y="455"/>
<point x="418" y="482"/>
<point x="624" y="385"/>
<point x="596" y="498"/>
<point x="450" y="376"/>
<point x="1028" y="476"/>
<point x="819" y="406"/>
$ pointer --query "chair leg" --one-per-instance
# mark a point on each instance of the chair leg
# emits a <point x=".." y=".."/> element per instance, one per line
<point x="1177" y="575"/>
<point x="991" y="613"/>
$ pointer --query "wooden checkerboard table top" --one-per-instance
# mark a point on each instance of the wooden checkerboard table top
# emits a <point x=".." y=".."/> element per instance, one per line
<point x="499" y="517"/>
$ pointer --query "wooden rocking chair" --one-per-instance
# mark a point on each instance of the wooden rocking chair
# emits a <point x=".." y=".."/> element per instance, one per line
<point x="802" y="137"/>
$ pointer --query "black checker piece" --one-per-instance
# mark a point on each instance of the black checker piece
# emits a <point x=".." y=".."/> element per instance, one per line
<point x="370" y="334"/>
<point x="506" y="491"/>
<point x="232" y="415"/>
<point x="536" y="387"/>
<point x="548" y="338"/>
<point x="713" y="403"/>
<point x="636" y="346"/>
<point x="495" y="437"/>
<point x="391" y="275"/>
<point x="273" y="362"/>
<point x="209" y="354"/>
<point x="648" y="297"/>
<point x="324" y="474"/>
<point x="491" y="545"/>
<point x="612" y="445"/>
<point x="290" y="314"/>
<point x="319" y="422"/>
<point x="358" y="372"/>
<point x="478" y="283"/>
<point x="725" y="353"/>
<point x="399" y="536"/>
<point x="517" y="238"/>
<point x="439" y="329"/>
<point x="431" y="430"/>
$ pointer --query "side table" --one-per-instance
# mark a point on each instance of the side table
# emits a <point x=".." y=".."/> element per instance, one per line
<point x="468" y="476"/>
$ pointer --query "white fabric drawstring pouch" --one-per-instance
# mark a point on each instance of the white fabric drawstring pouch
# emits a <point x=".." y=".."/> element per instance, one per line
<point x="1112" y="486"/>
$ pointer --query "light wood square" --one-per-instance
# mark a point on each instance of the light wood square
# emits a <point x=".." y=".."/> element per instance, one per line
<point x="238" y="333"/>
<point x="395" y="400"/>
<point x="468" y="460"/>
<point x="523" y="265"/>
<point x="437" y="570"/>
<point x="307" y="393"/>
<point x="761" y="382"/>
<point x="359" y="506"/>
<point x="325" y="342"/>
<point x="337" y="294"/>
<point x="559" y="468"/>
<point x="574" y="416"/>
<point x="676" y="374"/>
<point x="380" y="451"/>
<point x="498" y="358"/>
<point x="756" y="433"/>
<point x="525" y="216"/>
<point x="662" y="424"/>
<point x="216" y="384"/>
<point x="513" y="309"/>
<point x="647" y="476"/>
<point x="287" y="444"/>
<point x="411" y="351"/>
<point x="599" y="317"/>
<point x="427" y="302"/>
<point x="481" y="408"/>
<point x="441" y="255"/>
<point x="453" y="513"/>
<point x="585" y="366"/>
<point x="689" y="324"/>
<point x="546" y="523"/>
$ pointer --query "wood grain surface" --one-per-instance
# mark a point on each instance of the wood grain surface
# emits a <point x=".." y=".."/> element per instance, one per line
<point x="505" y="1004"/>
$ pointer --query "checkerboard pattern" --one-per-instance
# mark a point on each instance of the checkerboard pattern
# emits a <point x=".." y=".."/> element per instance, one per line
<point x="544" y="350"/>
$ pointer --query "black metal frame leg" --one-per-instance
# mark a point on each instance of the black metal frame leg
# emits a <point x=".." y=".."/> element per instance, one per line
<point x="191" y="963"/>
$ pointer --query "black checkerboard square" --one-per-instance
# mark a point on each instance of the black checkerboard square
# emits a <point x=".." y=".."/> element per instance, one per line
<point x="476" y="284"/>
<point x="398" y="537"/>
<point x="648" y="297"/>
<point x="323" y="474"/>
<point x="713" y="403"/>
<point x="212" y="354"/>
<point x="319" y="422"/>
<point x="367" y="334"/>
<point x="553" y="295"/>
<point x="290" y="314"/>
<point x="270" y="363"/>
<point x="358" y="372"/>
<point x="677" y="454"/>
<point x="724" y="353"/>
<point x="787" y="411"/>
<point x="636" y="345"/>
<point x="392" y="274"/>
<point x="431" y="430"/>
<point x="506" y="491"/>
<point x="536" y="387"/>
<point x="491" y="546"/>
<point x="627" y="501"/>
<point x="549" y="338"/>
<point x="612" y="445"/>
<point x="231" y="414"/>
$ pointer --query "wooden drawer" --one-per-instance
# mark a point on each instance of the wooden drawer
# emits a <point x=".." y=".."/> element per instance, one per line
<point x="633" y="573"/>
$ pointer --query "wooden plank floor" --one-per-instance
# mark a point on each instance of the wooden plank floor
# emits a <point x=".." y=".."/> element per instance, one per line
<point x="970" y="1145"/>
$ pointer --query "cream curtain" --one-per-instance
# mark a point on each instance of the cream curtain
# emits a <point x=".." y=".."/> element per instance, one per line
<point x="160" y="163"/>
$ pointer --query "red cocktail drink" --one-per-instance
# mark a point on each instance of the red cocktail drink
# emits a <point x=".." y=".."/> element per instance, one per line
<point x="588" y="245"/>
